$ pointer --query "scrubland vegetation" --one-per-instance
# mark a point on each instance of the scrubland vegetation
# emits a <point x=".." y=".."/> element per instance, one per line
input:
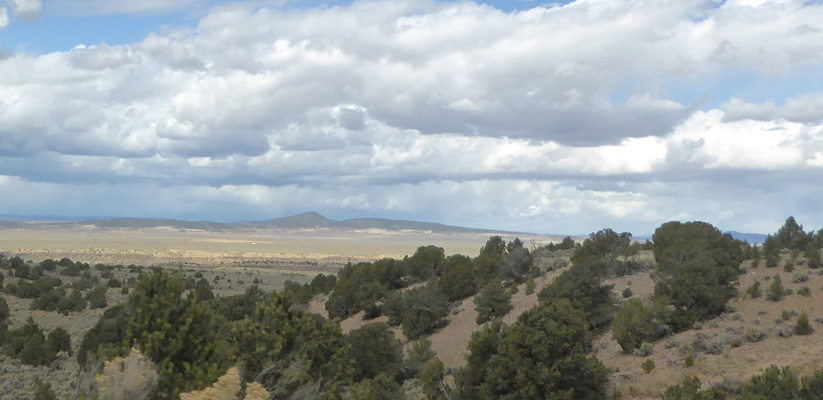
<point x="163" y="333"/>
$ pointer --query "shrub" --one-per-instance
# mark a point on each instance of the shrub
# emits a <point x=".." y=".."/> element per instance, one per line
<point x="788" y="266"/>
<point x="754" y="290"/>
<point x="28" y="344"/>
<point x="372" y="311"/>
<point x="393" y="307"/>
<point x="802" y="326"/>
<point x="4" y="310"/>
<point x="458" y="282"/>
<point x="375" y="350"/>
<point x="42" y="390"/>
<point x="755" y="335"/>
<point x="59" y="340"/>
<point x="805" y="291"/>
<point x="645" y="350"/>
<point x="113" y="283"/>
<point x="97" y="297"/>
<point x="48" y="301"/>
<point x="785" y="332"/>
<point x="776" y="290"/>
<point x="530" y="286"/>
<point x="689" y="360"/>
<point x="635" y="323"/>
<point x="775" y="384"/>
<point x="419" y="353"/>
<point x="74" y="302"/>
<point x="648" y="365"/>
<point x="493" y="301"/>
<point x="426" y="310"/>
<point x="549" y="337"/>
<point x="627" y="292"/>
<point x="813" y="255"/>
<point x="797" y="278"/>
<point x="689" y="389"/>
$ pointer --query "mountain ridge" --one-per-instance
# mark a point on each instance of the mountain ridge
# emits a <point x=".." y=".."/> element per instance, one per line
<point x="302" y="221"/>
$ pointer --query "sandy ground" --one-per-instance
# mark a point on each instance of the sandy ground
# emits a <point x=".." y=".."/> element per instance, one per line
<point x="735" y="365"/>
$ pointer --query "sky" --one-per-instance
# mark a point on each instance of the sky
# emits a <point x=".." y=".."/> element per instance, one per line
<point x="546" y="117"/>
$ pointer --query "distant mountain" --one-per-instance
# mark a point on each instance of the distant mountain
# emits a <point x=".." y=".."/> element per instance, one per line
<point x="753" y="238"/>
<point x="313" y="220"/>
<point x="308" y="220"/>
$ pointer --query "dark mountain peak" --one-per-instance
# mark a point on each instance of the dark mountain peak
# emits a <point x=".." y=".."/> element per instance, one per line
<point x="310" y="219"/>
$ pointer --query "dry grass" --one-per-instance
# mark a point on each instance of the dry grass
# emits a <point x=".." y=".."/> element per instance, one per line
<point x="303" y="250"/>
<point x="734" y="365"/>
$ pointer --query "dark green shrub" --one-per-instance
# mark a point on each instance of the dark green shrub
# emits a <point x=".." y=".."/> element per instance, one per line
<point x="393" y="307"/>
<point x="689" y="389"/>
<point x="42" y="390"/>
<point x="113" y="283"/>
<point x="458" y="281"/>
<point x="177" y="333"/>
<point x="636" y="323"/>
<point x="426" y="310"/>
<point x="375" y="350"/>
<point x="49" y="301"/>
<point x="788" y="266"/>
<point x="5" y="312"/>
<point x="804" y="291"/>
<point x="97" y="297"/>
<point x="514" y="363"/>
<point x="582" y="285"/>
<point x="627" y="292"/>
<point x="774" y="384"/>
<point x="492" y="302"/>
<point x="776" y="290"/>
<point x="754" y="290"/>
<point x="802" y="326"/>
<point x="73" y="302"/>
<point x="420" y="352"/>
<point x="530" y="286"/>
<point x="28" y="344"/>
<point x="648" y="365"/>
<point x="59" y="340"/>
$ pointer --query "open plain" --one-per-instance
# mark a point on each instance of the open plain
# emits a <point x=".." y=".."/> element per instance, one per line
<point x="308" y="250"/>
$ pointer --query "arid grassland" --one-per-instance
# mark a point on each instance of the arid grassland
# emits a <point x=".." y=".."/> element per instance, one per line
<point x="310" y="250"/>
<point x="695" y="314"/>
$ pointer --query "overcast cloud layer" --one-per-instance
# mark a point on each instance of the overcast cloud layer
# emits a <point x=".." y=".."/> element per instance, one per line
<point x="557" y="119"/>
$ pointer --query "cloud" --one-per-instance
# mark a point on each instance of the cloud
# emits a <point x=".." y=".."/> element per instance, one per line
<point x="457" y="112"/>
<point x="804" y="108"/>
<point x="27" y="10"/>
<point x="105" y="7"/>
<point x="4" y="18"/>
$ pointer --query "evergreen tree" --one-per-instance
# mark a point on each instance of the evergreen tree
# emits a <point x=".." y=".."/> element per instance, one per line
<point x="813" y="254"/>
<point x="776" y="290"/>
<point x="492" y="302"/>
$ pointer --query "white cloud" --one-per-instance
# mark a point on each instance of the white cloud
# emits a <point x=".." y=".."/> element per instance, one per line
<point x="27" y="10"/>
<point x="422" y="108"/>
<point x="4" y="18"/>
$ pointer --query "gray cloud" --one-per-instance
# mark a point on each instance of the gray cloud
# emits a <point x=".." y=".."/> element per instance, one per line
<point x="454" y="112"/>
<point x="27" y="10"/>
